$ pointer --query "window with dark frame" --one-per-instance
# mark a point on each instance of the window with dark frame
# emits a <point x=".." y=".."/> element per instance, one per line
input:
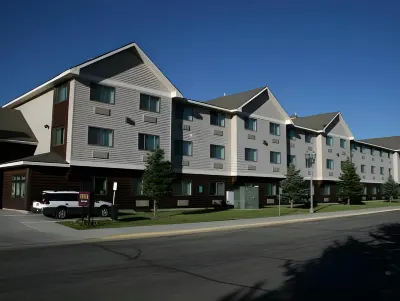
<point x="382" y="171"/>
<point x="329" y="141"/>
<point x="182" y="188"/>
<point x="373" y="169"/>
<point x="274" y="129"/>
<point x="183" y="148"/>
<point x="102" y="93"/>
<point x="275" y="157"/>
<point x="18" y="186"/>
<point x="217" y="118"/>
<point x="137" y="188"/>
<point x="292" y="159"/>
<point x="149" y="103"/>
<point x="329" y="164"/>
<point x="184" y="113"/>
<point x="58" y="136"/>
<point x="217" y="151"/>
<point x="363" y="168"/>
<point x="100" y="185"/>
<point x="100" y="136"/>
<point x="343" y="143"/>
<point x="327" y="189"/>
<point x="308" y="138"/>
<point x="270" y="189"/>
<point x="250" y="154"/>
<point x="61" y="93"/>
<point x="200" y="189"/>
<point x="250" y="124"/>
<point x="217" y="188"/>
<point x="148" y="142"/>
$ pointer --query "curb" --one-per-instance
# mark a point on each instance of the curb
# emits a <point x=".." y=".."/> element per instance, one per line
<point x="235" y="227"/>
<point x="15" y="210"/>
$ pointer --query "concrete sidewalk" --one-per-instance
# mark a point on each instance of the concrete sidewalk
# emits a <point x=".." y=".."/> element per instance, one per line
<point x="68" y="234"/>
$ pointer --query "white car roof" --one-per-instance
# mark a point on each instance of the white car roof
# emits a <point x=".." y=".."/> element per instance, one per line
<point x="58" y="191"/>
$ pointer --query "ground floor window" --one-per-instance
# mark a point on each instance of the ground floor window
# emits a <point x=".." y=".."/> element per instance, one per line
<point x="137" y="188"/>
<point x="327" y="189"/>
<point x="183" y="188"/>
<point x="373" y="189"/>
<point x="270" y="189"/>
<point x="100" y="185"/>
<point x="217" y="188"/>
<point x="18" y="186"/>
<point x="365" y="190"/>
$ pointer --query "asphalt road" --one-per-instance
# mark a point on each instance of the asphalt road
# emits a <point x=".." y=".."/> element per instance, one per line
<point x="327" y="260"/>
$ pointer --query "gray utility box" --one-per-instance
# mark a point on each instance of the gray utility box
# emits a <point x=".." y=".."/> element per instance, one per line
<point x="246" y="197"/>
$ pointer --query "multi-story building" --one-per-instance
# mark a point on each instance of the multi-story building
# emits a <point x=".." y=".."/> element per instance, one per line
<point x="95" y="123"/>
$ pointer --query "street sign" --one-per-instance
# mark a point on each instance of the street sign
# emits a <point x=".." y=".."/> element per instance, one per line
<point x="115" y="186"/>
<point x="84" y="199"/>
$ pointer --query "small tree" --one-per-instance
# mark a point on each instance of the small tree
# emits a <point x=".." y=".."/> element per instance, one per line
<point x="294" y="188"/>
<point x="390" y="188"/>
<point x="157" y="177"/>
<point x="349" y="184"/>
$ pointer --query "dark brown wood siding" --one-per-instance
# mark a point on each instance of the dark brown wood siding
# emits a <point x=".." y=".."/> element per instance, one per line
<point x="60" y="119"/>
<point x="8" y="200"/>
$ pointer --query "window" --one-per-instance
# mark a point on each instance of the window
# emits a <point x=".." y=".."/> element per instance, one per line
<point x="327" y="189"/>
<point x="148" y="142"/>
<point x="100" y="185"/>
<point x="149" y="103"/>
<point x="102" y="93"/>
<point x="270" y="189"/>
<point x="365" y="190"/>
<point x="361" y="149"/>
<point x="329" y="140"/>
<point x="217" y="188"/>
<point x="308" y="138"/>
<point x="250" y="154"/>
<point x="217" y="151"/>
<point x="372" y="152"/>
<point x="373" y="189"/>
<point x="292" y="159"/>
<point x="184" y="113"/>
<point x="390" y="171"/>
<point x="308" y="163"/>
<point x="329" y="164"/>
<point x="58" y="136"/>
<point x="388" y="155"/>
<point x="200" y="189"/>
<point x="183" y="148"/>
<point x="353" y="147"/>
<point x="182" y="188"/>
<point x="382" y="171"/>
<point x="292" y="134"/>
<point x="274" y="129"/>
<point x="217" y="118"/>
<point x="18" y="186"/>
<point x="275" y="157"/>
<point x="99" y="136"/>
<point x="250" y="124"/>
<point x="373" y="169"/>
<point x="61" y="93"/>
<point x="380" y="153"/>
<point x="363" y="168"/>
<point x="342" y="163"/>
<point x="137" y="188"/>
<point x="343" y="143"/>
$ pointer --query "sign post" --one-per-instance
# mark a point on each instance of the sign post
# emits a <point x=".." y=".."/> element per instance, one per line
<point x="84" y="201"/>
<point x="113" y="209"/>
<point x="279" y="201"/>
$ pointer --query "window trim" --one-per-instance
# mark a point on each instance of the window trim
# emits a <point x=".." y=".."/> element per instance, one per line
<point x="148" y="150"/>
<point x="18" y="182"/>
<point x="220" y="146"/>
<point x="273" y="124"/>
<point x="132" y="186"/>
<point x="270" y="157"/>
<point x="329" y="138"/>
<point x="345" y="143"/>
<point x="99" y="101"/>
<point x="252" y="149"/>
<point x="216" y="183"/>
<point x="181" y="190"/>
<point x="218" y="114"/>
<point x="246" y="119"/>
<point x="333" y="164"/>
<point x="181" y="109"/>
<point x="56" y="93"/>
<point x="53" y="136"/>
<point x="96" y="127"/>
<point x="94" y="185"/>
<point x="150" y="95"/>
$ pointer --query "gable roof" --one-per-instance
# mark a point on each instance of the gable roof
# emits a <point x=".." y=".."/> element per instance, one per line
<point x="47" y="159"/>
<point x="75" y="70"/>
<point x="315" y="122"/>
<point x="13" y="127"/>
<point x="235" y="101"/>
<point x="392" y="142"/>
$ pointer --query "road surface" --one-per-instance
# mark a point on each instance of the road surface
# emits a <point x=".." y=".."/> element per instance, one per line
<point x="290" y="262"/>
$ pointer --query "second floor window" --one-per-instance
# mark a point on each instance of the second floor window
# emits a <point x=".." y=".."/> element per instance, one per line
<point x="58" y="136"/>
<point x="182" y="188"/>
<point x="373" y="169"/>
<point x="217" y="151"/>
<point x="274" y="129"/>
<point x="250" y="154"/>
<point x="61" y="93"/>
<point x="148" y="142"/>
<point x="329" y="164"/>
<point x="292" y="159"/>
<point x="275" y="157"/>
<point x="217" y="118"/>
<point x="101" y="137"/>
<point x="382" y="171"/>
<point x="149" y="103"/>
<point x="250" y="124"/>
<point x="183" y="148"/>
<point x="184" y="113"/>
<point x="101" y="93"/>
<point x="343" y="143"/>
<point x="363" y="168"/>
<point x="329" y="140"/>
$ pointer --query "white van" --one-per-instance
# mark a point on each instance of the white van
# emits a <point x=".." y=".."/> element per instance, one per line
<point x="61" y="204"/>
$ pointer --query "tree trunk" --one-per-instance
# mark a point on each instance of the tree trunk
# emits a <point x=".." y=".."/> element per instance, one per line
<point x="155" y="209"/>
<point x="291" y="204"/>
<point x="348" y="201"/>
<point x="390" y="199"/>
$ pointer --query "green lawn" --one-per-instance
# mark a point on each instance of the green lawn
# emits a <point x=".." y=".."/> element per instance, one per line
<point x="128" y="219"/>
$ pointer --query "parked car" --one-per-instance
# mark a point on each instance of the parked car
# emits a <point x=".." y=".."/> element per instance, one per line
<point x="60" y="204"/>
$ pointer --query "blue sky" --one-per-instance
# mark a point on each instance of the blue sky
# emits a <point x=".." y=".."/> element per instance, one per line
<point x="316" y="56"/>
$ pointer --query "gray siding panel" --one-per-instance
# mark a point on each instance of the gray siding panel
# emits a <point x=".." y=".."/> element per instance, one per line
<point x="125" y="149"/>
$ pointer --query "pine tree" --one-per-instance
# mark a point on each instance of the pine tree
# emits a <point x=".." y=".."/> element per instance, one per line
<point x="157" y="177"/>
<point x="390" y="188"/>
<point x="294" y="188"/>
<point x="349" y="184"/>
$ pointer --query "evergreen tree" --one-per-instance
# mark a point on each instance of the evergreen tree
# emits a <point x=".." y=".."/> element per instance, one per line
<point x="294" y="188"/>
<point x="157" y="177"/>
<point x="349" y="184"/>
<point x="390" y="188"/>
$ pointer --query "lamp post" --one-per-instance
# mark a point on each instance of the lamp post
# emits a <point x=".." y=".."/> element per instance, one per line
<point x="310" y="158"/>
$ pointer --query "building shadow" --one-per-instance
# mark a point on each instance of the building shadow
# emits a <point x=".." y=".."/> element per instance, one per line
<point x="351" y="270"/>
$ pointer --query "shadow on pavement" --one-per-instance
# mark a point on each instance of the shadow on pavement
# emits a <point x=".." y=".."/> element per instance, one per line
<point x="352" y="270"/>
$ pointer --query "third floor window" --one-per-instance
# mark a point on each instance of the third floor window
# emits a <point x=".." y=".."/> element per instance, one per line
<point x="343" y="143"/>
<point x="329" y="140"/>
<point x="363" y="168"/>
<point x="250" y="124"/>
<point x="274" y="129"/>
<point x="61" y="93"/>
<point x="373" y="169"/>
<point x="102" y="93"/>
<point x="150" y="103"/>
<point x="217" y="118"/>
